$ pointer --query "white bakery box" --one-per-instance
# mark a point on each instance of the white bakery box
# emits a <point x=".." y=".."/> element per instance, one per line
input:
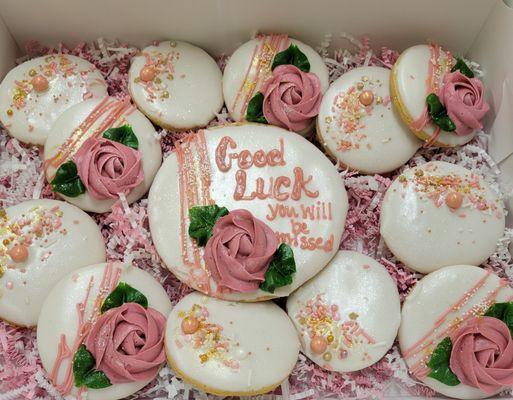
<point x="482" y="30"/>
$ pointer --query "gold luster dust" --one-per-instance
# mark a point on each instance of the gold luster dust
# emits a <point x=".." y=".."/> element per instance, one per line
<point x="9" y="112"/>
<point x="353" y="315"/>
<point x="327" y="357"/>
<point x="165" y="94"/>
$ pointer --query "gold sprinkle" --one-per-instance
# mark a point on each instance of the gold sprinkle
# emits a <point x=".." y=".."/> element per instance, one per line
<point x="359" y="85"/>
<point x="419" y="172"/>
<point x="137" y="80"/>
<point x="330" y="338"/>
<point x="170" y="77"/>
<point x="158" y="80"/>
<point x="59" y="213"/>
<point x="165" y="94"/>
<point x="327" y="120"/>
<point x="9" y="112"/>
<point x="203" y="358"/>
<point x="32" y="72"/>
<point x="379" y="100"/>
<point x="172" y="44"/>
<point x="365" y="78"/>
<point x="353" y="315"/>
<point x="6" y="242"/>
<point x="327" y="356"/>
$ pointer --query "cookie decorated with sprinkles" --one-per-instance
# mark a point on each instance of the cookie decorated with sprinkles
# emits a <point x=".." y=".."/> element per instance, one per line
<point x="438" y="96"/>
<point x="101" y="331"/>
<point x="236" y="213"/>
<point x="34" y="94"/>
<point x="100" y="151"/>
<point x="177" y="85"/>
<point x="359" y="126"/>
<point x="439" y="214"/>
<point x="276" y="80"/>
<point x="41" y="241"/>
<point x="455" y="334"/>
<point x="348" y="315"/>
<point x="230" y="349"/>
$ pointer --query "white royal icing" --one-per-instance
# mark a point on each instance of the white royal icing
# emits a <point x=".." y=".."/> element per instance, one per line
<point x="249" y="67"/>
<point x="28" y="114"/>
<point x="68" y="126"/>
<point x="238" y="348"/>
<point x="186" y="92"/>
<point x="410" y="73"/>
<point x="353" y="307"/>
<point x="438" y="302"/>
<point x="59" y="317"/>
<point x="370" y="138"/>
<point x="425" y="233"/>
<point x="316" y="221"/>
<point x="59" y="238"/>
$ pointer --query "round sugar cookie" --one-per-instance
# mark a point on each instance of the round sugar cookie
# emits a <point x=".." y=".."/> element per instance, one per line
<point x="249" y="68"/>
<point x="230" y="349"/>
<point x="73" y="314"/>
<point x="41" y="241"/>
<point x="419" y="71"/>
<point x="34" y="94"/>
<point x="359" y="126"/>
<point x="439" y="305"/>
<point x="441" y="214"/>
<point x="259" y="169"/>
<point x="89" y="121"/>
<point x="177" y="85"/>
<point x="347" y="316"/>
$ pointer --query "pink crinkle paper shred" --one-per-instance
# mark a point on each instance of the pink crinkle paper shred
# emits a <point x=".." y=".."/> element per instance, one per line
<point x="127" y="237"/>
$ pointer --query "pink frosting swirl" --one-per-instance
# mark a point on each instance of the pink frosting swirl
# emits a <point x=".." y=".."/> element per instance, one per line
<point x="463" y="99"/>
<point x="482" y="354"/>
<point x="291" y="98"/>
<point x="127" y="343"/>
<point x="239" y="251"/>
<point x="107" y="168"/>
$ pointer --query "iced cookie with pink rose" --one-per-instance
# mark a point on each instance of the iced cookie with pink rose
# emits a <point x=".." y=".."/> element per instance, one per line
<point x="99" y="151"/>
<point x="439" y="214"/>
<point x="455" y="334"/>
<point x="348" y="315"/>
<point x="101" y="331"/>
<point x="236" y="213"/>
<point x="41" y="241"/>
<point x="34" y="94"/>
<point x="230" y="349"/>
<point x="276" y="80"/>
<point x="177" y="85"/>
<point x="438" y="96"/>
<point x="359" y="126"/>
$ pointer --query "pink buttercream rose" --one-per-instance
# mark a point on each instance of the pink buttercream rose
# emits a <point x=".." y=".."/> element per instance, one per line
<point x="127" y="343"/>
<point x="291" y="98"/>
<point x="482" y="354"/>
<point x="463" y="99"/>
<point x="239" y="251"/>
<point x="107" y="168"/>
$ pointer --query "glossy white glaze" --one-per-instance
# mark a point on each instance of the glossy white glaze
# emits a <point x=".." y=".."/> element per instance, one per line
<point x="410" y="73"/>
<point x="59" y="317"/>
<point x="426" y="234"/>
<point x="429" y="300"/>
<point x="71" y="80"/>
<point x="261" y="346"/>
<point x="369" y="138"/>
<point x="74" y="241"/>
<point x="165" y="204"/>
<point x="186" y="92"/>
<point x="362" y="304"/>
<point x="149" y="147"/>
<point x="234" y="75"/>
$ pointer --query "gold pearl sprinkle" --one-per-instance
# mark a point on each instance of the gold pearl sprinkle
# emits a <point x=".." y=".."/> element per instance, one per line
<point x="203" y="358"/>
<point x="170" y="77"/>
<point x="379" y="100"/>
<point x="353" y="315"/>
<point x="158" y="80"/>
<point x="165" y="94"/>
<point x="359" y="85"/>
<point x="137" y="80"/>
<point x="9" y="112"/>
<point x="172" y="44"/>
<point x="365" y="78"/>
<point x="327" y="356"/>
<point x="330" y="338"/>
<point x="32" y="72"/>
<point x="6" y="242"/>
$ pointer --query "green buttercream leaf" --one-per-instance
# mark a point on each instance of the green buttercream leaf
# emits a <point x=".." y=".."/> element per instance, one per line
<point x="254" y="112"/>
<point x="502" y="311"/>
<point x="438" y="113"/>
<point x="280" y="270"/>
<point x="67" y="181"/>
<point x="124" y="293"/>
<point x="124" y="135"/>
<point x="439" y="364"/>
<point x="203" y="219"/>
<point x="84" y="372"/>
<point x="462" y="67"/>
<point x="292" y="56"/>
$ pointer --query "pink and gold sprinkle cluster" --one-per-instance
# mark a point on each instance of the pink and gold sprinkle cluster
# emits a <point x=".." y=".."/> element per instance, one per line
<point x="331" y="336"/>
<point x="349" y="110"/>
<point x="205" y="337"/>
<point x="18" y="234"/>
<point x="158" y="70"/>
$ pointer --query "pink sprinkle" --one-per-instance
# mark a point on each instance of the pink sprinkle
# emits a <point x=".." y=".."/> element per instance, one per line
<point x="9" y="285"/>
